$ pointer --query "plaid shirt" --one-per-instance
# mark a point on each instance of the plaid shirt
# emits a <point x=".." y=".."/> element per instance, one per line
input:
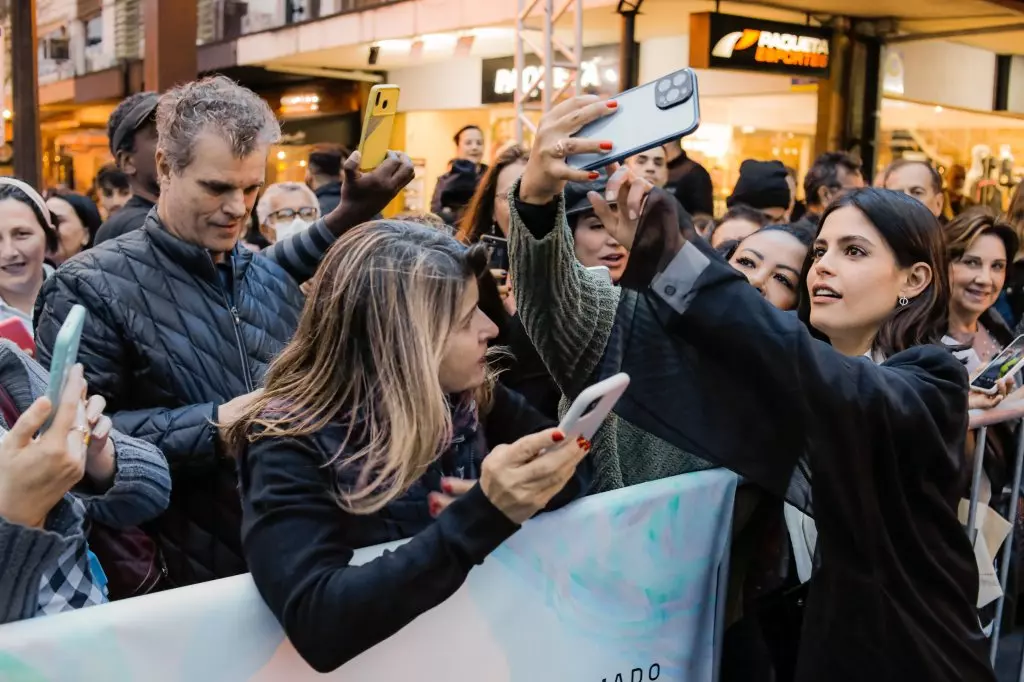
<point x="76" y="579"/>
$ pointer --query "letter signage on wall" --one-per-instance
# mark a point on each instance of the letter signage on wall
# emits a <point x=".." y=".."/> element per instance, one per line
<point x="599" y="74"/>
<point x="724" y="41"/>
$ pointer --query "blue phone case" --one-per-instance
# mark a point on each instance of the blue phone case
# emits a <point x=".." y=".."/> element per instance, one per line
<point x="65" y="355"/>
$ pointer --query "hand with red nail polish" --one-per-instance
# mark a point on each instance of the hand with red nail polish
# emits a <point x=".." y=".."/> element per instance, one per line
<point x="520" y="479"/>
<point x="547" y="171"/>
<point x="453" y="488"/>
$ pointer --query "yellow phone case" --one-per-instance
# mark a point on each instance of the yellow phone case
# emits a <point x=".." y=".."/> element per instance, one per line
<point x="381" y="108"/>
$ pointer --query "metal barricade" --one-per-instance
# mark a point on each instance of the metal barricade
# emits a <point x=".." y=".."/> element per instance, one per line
<point x="980" y="421"/>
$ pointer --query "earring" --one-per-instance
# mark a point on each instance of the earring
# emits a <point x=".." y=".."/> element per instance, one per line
<point x="903" y="301"/>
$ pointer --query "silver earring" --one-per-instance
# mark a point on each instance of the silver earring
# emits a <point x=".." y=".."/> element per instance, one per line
<point x="903" y="301"/>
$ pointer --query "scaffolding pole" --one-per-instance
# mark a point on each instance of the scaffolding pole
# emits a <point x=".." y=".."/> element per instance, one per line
<point x="552" y="52"/>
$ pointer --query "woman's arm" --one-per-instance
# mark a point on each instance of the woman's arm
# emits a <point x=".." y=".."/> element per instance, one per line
<point x="141" y="485"/>
<point x="298" y="546"/>
<point x="721" y="373"/>
<point x="28" y="553"/>
<point x="567" y="312"/>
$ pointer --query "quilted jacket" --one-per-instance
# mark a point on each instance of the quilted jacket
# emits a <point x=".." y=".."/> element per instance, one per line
<point x="166" y="343"/>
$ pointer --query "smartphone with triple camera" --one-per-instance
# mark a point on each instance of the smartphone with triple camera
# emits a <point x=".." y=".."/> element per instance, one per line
<point x="647" y="116"/>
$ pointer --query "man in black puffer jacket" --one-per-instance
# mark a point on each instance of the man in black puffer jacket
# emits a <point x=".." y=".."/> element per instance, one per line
<point x="183" y="321"/>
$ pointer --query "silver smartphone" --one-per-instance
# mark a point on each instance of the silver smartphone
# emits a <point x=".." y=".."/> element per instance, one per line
<point x="648" y="116"/>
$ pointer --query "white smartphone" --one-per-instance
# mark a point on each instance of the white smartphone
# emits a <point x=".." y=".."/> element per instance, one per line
<point x="1007" y="363"/>
<point x="592" y="406"/>
<point x="602" y="272"/>
<point x="648" y="116"/>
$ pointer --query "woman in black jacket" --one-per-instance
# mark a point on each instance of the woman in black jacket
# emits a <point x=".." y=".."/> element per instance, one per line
<point x="378" y="416"/>
<point x="857" y="402"/>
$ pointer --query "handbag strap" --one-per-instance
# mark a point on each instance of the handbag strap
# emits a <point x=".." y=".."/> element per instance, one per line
<point x="8" y="409"/>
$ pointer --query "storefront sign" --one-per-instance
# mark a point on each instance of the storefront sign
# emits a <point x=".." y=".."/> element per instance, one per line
<point x="725" y="41"/>
<point x="599" y="73"/>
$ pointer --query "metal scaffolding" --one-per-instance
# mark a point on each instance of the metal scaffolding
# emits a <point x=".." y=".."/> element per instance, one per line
<point x="553" y="54"/>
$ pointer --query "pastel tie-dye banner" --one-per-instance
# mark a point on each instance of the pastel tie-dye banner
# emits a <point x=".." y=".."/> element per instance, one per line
<point x="621" y="587"/>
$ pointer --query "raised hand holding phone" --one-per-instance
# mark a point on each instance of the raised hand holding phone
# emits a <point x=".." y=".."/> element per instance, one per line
<point x="36" y="472"/>
<point x="547" y="171"/>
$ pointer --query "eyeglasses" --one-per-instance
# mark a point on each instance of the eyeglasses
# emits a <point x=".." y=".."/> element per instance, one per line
<point x="286" y="215"/>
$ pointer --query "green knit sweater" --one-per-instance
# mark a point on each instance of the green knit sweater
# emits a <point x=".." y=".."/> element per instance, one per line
<point x="568" y="314"/>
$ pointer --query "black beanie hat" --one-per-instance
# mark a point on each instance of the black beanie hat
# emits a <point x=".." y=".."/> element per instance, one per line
<point x="762" y="185"/>
<point x="576" y="200"/>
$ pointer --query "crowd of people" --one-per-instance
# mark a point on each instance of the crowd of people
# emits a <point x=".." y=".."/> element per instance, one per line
<point x="276" y="376"/>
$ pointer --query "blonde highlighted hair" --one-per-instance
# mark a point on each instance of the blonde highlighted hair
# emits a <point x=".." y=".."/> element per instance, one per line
<point x="367" y="353"/>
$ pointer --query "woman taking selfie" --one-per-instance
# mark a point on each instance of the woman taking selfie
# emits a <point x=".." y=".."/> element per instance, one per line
<point x="881" y="445"/>
<point x="374" y="426"/>
<point x="569" y="313"/>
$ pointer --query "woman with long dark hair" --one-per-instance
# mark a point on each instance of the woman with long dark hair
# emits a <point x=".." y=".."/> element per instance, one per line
<point x="857" y="402"/>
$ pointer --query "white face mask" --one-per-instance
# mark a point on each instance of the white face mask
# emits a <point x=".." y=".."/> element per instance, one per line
<point x="296" y="226"/>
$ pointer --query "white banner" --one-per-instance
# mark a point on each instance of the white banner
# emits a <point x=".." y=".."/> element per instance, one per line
<point x="621" y="587"/>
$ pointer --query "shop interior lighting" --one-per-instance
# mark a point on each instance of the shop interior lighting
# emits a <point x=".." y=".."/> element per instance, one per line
<point x="281" y="156"/>
<point x="938" y="109"/>
<point x="7" y="114"/>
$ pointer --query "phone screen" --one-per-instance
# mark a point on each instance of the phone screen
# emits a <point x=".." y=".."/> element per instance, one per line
<point x="1007" y="363"/>
<point x="497" y="249"/>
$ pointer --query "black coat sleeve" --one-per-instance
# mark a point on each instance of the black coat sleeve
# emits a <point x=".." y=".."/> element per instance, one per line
<point x="185" y="434"/>
<point x="744" y="385"/>
<point x="296" y="542"/>
<point x="512" y="417"/>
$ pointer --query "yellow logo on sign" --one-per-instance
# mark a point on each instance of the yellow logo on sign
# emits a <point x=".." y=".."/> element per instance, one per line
<point x="775" y="48"/>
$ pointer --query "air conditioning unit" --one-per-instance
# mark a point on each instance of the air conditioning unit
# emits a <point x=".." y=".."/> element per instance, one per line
<point x="57" y="49"/>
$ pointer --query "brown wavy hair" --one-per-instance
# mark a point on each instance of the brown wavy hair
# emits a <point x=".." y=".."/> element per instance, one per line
<point x="966" y="228"/>
<point x="366" y="355"/>
<point x="479" y="216"/>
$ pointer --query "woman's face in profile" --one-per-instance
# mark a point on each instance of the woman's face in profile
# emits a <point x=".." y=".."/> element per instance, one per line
<point x="464" y="365"/>
<point x="771" y="261"/>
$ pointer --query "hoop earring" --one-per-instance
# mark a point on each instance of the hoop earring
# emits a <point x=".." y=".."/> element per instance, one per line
<point x="903" y="301"/>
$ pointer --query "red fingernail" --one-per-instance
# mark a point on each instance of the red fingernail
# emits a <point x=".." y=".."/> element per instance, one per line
<point x="558" y="436"/>
<point x="583" y="443"/>
<point x="446" y="486"/>
<point x="611" y="104"/>
<point x="594" y="175"/>
<point x="607" y="146"/>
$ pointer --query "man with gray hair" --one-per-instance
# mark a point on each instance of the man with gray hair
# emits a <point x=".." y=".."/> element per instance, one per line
<point x="182" y="321"/>
<point x="285" y="209"/>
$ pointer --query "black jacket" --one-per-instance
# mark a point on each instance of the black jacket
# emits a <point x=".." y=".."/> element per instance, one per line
<point x="690" y="183"/>
<point x="299" y="542"/>
<point x="132" y="216"/>
<point x="166" y="343"/>
<point x="744" y="385"/>
<point x="329" y="196"/>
